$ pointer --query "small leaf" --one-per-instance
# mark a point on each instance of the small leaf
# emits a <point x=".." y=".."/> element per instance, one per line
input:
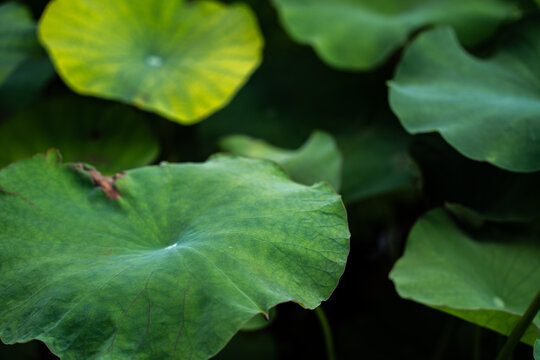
<point x="111" y="136"/>
<point x="317" y="160"/>
<point x="17" y="37"/>
<point x="182" y="59"/>
<point x="169" y="270"/>
<point x="488" y="110"/>
<point x="537" y="350"/>
<point x="361" y="34"/>
<point x="487" y="277"/>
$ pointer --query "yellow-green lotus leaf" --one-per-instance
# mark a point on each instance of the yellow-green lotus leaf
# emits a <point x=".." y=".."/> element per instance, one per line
<point x="182" y="60"/>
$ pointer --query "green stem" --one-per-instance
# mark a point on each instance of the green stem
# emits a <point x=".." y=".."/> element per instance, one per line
<point x="327" y="333"/>
<point x="520" y="328"/>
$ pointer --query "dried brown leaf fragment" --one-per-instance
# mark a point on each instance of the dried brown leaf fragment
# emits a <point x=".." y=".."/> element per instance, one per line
<point x="105" y="183"/>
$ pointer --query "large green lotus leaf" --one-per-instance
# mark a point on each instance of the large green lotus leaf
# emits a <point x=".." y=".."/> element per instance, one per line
<point x="113" y="137"/>
<point x="317" y="160"/>
<point x="537" y="350"/>
<point x="487" y="109"/>
<point x="361" y="34"/>
<point x="170" y="264"/>
<point x="181" y="59"/>
<point x="377" y="162"/>
<point x="17" y="37"/>
<point x="487" y="277"/>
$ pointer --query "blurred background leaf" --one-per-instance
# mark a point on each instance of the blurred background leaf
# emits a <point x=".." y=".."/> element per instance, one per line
<point x="110" y="136"/>
<point x="377" y="162"/>
<point x="317" y="160"/>
<point x="24" y="67"/>
<point x="362" y="34"/>
<point x="18" y="40"/>
<point x="487" y="109"/>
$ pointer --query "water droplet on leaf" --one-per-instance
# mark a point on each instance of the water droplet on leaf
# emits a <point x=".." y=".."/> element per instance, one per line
<point x="498" y="302"/>
<point x="154" y="61"/>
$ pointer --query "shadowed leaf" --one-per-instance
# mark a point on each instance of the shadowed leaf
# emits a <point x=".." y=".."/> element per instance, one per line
<point x="376" y="162"/>
<point x="18" y="39"/>
<point x="112" y="137"/>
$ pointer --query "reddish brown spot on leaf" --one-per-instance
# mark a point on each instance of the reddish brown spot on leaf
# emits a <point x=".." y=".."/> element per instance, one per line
<point x="105" y="183"/>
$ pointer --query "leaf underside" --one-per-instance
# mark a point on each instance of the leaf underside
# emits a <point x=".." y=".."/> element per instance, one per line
<point x="110" y="136"/>
<point x="17" y="37"/>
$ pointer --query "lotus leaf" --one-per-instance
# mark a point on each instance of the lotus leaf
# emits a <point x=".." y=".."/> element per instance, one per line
<point x="361" y="34"/>
<point x="487" y="109"/>
<point x="18" y="39"/>
<point x="484" y="276"/>
<point x="112" y="137"/>
<point x="181" y="59"/>
<point x="159" y="262"/>
<point x="377" y="162"/>
<point x="317" y="160"/>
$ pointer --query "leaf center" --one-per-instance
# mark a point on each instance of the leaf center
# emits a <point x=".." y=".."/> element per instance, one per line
<point x="171" y="247"/>
<point x="154" y="61"/>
